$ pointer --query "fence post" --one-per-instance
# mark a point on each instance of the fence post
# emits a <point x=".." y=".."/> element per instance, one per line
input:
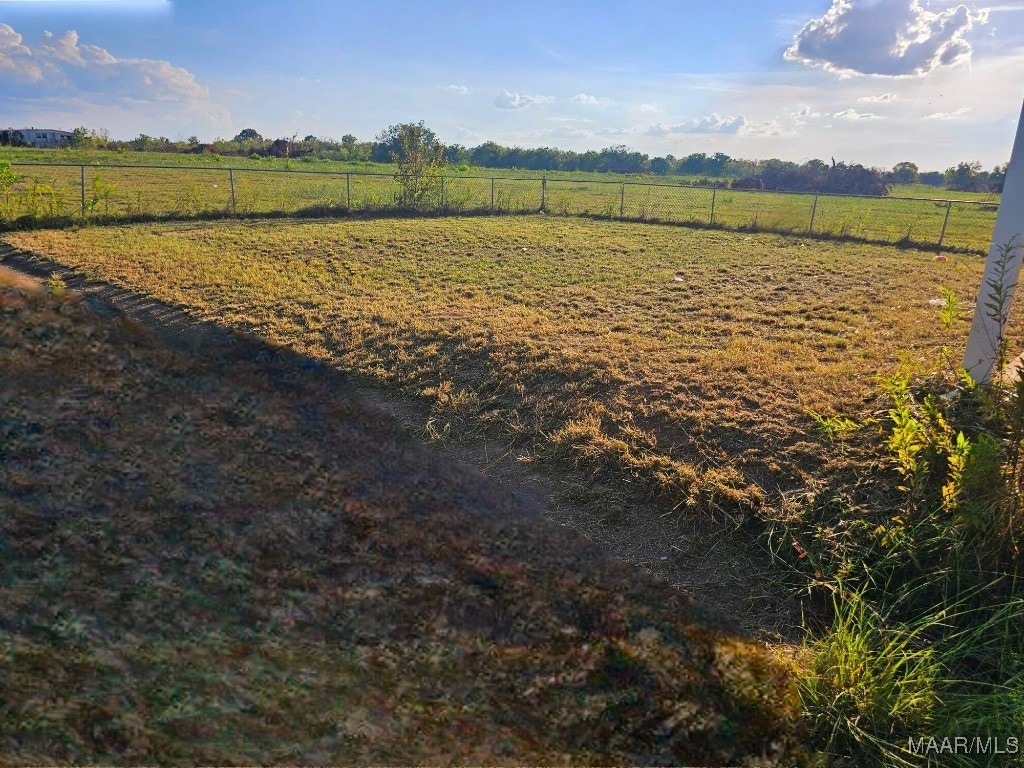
<point x="231" y="179"/>
<point x="442" y="194"/>
<point x="83" y="190"/>
<point x="814" y="210"/>
<point x="945" y="221"/>
<point x="348" y="191"/>
<point x="622" y="200"/>
<point x="713" y="195"/>
<point x="544" y="194"/>
<point x="492" y="195"/>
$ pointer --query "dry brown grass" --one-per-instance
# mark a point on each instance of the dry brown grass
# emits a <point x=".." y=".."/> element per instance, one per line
<point x="218" y="559"/>
<point x="684" y="362"/>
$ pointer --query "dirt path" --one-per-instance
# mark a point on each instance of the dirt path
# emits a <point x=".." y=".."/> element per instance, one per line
<point x="718" y="566"/>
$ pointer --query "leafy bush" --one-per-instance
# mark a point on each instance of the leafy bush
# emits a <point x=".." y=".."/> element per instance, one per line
<point x="420" y="159"/>
<point x="917" y="535"/>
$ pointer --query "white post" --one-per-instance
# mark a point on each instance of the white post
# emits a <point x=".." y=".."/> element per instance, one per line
<point x="987" y="329"/>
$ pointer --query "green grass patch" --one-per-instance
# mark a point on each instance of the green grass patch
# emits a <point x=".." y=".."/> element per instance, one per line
<point x="203" y="186"/>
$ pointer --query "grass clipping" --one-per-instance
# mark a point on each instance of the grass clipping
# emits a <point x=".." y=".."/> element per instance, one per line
<point x="225" y="559"/>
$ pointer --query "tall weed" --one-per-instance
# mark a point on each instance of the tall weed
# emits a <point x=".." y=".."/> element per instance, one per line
<point x="918" y="539"/>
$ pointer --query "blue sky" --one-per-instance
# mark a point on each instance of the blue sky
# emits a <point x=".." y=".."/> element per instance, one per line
<point x="870" y="81"/>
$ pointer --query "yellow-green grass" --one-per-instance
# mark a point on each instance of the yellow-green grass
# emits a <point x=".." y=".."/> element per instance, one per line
<point x="92" y="157"/>
<point x="681" y="364"/>
<point x="209" y="558"/>
<point x="927" y="190"/>
<point x="51" y="192"/>
<point x="30" y="155"/>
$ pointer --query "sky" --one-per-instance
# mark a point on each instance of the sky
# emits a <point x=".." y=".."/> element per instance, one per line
<point x="876" y="82"/>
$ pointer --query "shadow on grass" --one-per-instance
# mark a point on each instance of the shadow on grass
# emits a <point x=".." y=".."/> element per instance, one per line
<point x="216" y="553"/>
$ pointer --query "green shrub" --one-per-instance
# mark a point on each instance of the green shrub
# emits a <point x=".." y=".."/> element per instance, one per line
<point x="918" y="536"/>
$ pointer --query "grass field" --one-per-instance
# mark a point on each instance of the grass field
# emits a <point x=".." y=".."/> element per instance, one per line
<point x="684" y="361"/>
<point x="680" y="366"/>
<point x="220" y="557"/>
<point x="196" y="185"/>
<point x="30" y="155"/>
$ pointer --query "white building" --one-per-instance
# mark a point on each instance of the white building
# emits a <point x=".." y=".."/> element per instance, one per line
<point x="36" y="137"/>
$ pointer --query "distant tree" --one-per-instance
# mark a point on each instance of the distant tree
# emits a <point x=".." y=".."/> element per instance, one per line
<point x="86" y="138"/>
<point x="487" y="155"/>
<point x="997" y="177"/>
<point x="280" y="148"/>
<point x="781" y="175"/>
<point x="142" y="142"/>
<point x="310" y="137"/>
<point x="856" y="180"/>
<point x="79" y="137"/>
<point x="815" y="176"/>
<point x="420" y="158"/>
<point x="964" y="177"/>
<point x="816" y="167"/>
<point x="393" y="142"/>
<point x="248" y="134"/>
<point x="716" y="164"/>
<point x="905" y="173"/>
<point x="932" y="178"/>
<point x="456" y="154"/>
<point x="692" y="165"/>
<point x="351" y="148"/>
<point x="661" y="165"/>
<point x="619" y="159"/>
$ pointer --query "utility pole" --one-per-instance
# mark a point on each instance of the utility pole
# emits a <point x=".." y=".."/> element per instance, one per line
<point x="1007" y="242"/>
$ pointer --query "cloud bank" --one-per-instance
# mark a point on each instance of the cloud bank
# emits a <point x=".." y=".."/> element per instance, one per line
<point x="713" y="123"/>
<point x="64" y="68"/>
<point x="895" y="38"/>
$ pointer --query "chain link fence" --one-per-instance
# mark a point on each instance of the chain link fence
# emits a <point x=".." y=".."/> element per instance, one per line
<point x="56" y="192"/>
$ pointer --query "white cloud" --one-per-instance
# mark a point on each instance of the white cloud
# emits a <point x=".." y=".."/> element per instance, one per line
<point x="648" y="108"/>
<point x="16" y="58"/>
<point x="766" y="128"/>
<point x="948" y="115"/>
<point x="507" y="100"/>
<point x="63" y="68"/>
<point x="802" y="115"/>
<point x="713" y="123"/>
<point x="586" y="98"/>
<point x="884" y="98"/>
<point x="853" y="114"/>
<point x="461" y="90"/>
<point x="885" y="37"/>
<point x="67" y="49"/>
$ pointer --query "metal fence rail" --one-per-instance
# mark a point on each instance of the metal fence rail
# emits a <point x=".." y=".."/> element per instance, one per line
<point x="56" y="192"/>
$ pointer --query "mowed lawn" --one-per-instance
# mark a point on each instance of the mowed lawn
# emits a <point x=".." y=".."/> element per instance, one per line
<point x="678" y="363"/>
<point x="222" y="557"/>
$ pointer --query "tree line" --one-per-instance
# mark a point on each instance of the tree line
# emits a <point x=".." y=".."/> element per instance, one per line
<point x="717" y="169"/>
